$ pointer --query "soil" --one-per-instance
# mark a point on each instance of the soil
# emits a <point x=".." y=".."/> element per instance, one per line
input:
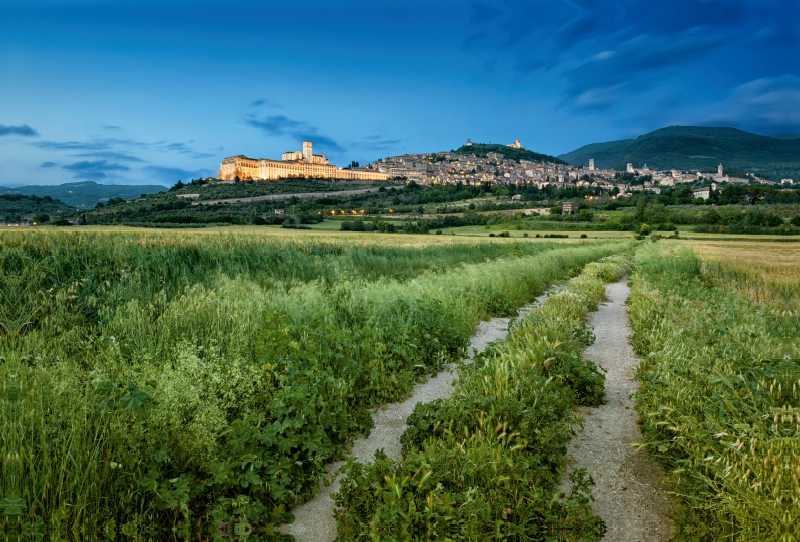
<point x="314" y="520"/>
<point x="628" y="495"/>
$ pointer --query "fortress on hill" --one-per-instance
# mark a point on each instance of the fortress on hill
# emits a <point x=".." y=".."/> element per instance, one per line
<point x="295" y="164"/>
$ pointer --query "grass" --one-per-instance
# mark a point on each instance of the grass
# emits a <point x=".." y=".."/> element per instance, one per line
<point x="158" y="384"/>
<point x="485" y="462"/>
<point x="719" y="376"/>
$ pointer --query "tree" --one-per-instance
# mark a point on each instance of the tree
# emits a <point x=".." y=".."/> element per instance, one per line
<point x="41" y="218"/>
<point x="177" y="186"/>
<point x="640" y="207"/>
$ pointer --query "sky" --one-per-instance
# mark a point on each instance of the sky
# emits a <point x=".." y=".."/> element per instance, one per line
<point x="153" y="91"/>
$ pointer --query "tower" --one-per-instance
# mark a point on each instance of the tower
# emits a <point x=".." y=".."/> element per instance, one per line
<point x="630" y="168"/>
<point x="719" y="170"/>
<point x="307" y="151"/>
<point x="591" y="164"/>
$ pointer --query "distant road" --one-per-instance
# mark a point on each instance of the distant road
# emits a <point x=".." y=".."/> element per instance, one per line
<point x="300" y="195"/>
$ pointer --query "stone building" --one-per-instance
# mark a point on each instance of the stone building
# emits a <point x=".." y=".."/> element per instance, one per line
<point x="295" y="164"/>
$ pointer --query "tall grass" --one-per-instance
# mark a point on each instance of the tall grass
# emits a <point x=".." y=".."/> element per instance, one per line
<point x="719" y="399"/>
<point x="158" y="387"/>
<point x="484" y="463"/>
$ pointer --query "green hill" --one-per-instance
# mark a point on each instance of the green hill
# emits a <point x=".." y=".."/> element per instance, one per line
<point x="511" y="153"/>
<point x="696" y="148"/>
<point x="19" y="207"/>
<point x="85" y="194"/>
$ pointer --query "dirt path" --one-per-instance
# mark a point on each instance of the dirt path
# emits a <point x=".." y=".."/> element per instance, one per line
<point x="314" y="521"/>
<point x="628" y="495"/>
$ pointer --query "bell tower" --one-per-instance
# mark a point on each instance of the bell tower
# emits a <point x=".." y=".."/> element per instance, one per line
<point x="307" y="152"/>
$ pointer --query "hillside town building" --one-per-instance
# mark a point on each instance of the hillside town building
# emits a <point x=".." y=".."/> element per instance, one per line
<point x="295" y="164"/>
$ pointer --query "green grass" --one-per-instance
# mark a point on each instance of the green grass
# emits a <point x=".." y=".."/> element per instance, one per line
<point x="485" y="463"/>
<point x="160" y="384"/>
<point x="718" y="396"/>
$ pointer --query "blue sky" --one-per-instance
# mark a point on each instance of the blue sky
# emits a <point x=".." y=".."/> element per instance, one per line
<point x="149" y="92"/>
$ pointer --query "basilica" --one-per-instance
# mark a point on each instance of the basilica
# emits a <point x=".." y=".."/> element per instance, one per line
<point x="295" y="164"/>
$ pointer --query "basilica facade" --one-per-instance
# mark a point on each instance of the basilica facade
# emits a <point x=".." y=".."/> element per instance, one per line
<point x="295" y="164"/>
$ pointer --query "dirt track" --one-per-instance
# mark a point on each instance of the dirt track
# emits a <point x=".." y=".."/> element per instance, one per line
<point x="314" y="521"/>
<point x="628" y="495"/>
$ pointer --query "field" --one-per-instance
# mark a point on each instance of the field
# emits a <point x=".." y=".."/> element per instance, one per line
<point x="161" y="385"/>
<point x="716" y="328"/>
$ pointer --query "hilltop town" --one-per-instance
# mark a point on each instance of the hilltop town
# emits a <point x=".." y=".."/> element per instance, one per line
<point x="463" y="167"/>
<point x="497" y="166"/>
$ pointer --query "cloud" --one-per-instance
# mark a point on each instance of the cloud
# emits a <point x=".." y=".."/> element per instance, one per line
<point x="94" y="170"/>
<point x="603" y="54"/>
<point x="108" y="155"/>
<point x="283" y="126"/>
<point x="266" y="102"/>
<point x="766" y="105"/>
<point x="23" y="130"/>
<point x="94" y="145"/>
<point x="600" y="98"/>
<point x="180" y="148"/>
<point x="114" y="148"/>
<point x="47" y="164"/>
<point x="376" y="142"/>
<point x="112" y="127"/>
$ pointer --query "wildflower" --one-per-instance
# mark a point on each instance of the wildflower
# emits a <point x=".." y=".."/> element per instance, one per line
<point x="224" y="529"/>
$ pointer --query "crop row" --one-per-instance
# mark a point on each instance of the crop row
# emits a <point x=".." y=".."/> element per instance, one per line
<point x="168" y="412"/>
<point x="485" y="463"/>
<point x="719" y="396"/>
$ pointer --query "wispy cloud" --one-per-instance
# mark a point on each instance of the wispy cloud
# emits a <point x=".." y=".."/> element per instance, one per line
<point x="376" y="143"/>
<point x="98" y="169"/>
<point x="769" y="105"/>
<point x="115" y="148"/>
<point x="283" y="126"/>
<point x="265" y="102"/>
<point x="22" y="130"/>
<point x="47" y="164"/>
<point x="602" y="54"/>
<point x="108" y="155"/>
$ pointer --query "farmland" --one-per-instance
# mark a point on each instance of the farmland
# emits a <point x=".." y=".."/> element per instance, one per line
<point x="164" y="385"/>
<point x="716" y="329"/>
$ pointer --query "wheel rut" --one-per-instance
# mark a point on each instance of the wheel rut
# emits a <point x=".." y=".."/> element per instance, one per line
<point x="628" y="494"/>
<point x="314" y="520"/>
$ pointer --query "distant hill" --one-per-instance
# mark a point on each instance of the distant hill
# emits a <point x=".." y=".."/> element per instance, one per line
<point x="85" y="194"/>
<point x="511" y="153"/>
<point x="18" y="207"/>
<point x="696" y="148"/>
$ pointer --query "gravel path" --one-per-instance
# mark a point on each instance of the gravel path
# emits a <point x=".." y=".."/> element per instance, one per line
<point x="628" y="495"/>
<point x="314" y="521"/>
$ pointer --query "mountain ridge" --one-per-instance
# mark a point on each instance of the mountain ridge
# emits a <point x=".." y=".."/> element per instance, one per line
<point x="695" y="148"/>
<point x="85" y="194"/>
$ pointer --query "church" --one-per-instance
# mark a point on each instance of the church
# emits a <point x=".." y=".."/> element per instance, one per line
<point x="296" y="164"/>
